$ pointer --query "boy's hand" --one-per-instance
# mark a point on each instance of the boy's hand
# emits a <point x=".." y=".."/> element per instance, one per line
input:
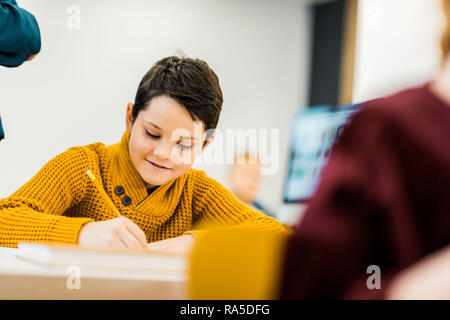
<point x="179" y="245"/>
<point x="115" y="233"/>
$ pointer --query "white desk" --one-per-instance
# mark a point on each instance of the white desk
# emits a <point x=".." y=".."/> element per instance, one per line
<point x="20" y="279"/>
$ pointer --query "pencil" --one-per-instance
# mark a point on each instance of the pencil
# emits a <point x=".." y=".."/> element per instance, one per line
<point x="103" y="193"/>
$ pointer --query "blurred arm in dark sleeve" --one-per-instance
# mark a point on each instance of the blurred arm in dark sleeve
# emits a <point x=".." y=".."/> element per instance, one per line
<point x="20" y="37"/>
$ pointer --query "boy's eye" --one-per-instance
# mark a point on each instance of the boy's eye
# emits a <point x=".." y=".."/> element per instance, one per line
<point x="151" y="135"/>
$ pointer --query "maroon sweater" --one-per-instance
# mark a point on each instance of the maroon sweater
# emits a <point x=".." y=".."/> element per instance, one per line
<point x="384" y="199"/>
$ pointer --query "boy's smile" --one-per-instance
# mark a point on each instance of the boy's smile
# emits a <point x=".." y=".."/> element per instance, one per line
<point x="158" y="166"/>
<point x="164" y="140"/>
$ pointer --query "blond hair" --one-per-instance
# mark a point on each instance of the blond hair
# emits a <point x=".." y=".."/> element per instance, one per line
<point x="445" y="40"/>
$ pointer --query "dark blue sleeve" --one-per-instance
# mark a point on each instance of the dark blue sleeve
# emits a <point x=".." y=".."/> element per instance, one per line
<point x="2" y="135"/>
<point x="19" y="34"/>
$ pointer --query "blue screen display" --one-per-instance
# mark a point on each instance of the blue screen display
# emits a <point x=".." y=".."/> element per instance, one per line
<point x="313" y="133"/>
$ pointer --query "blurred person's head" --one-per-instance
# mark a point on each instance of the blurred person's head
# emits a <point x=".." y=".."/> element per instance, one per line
<point x="176" y="110"/>
<point x="245" y="177"/>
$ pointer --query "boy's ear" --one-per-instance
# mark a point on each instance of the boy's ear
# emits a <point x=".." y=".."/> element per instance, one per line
<point x="208" y="141"/>
<point x="129" y="117"/>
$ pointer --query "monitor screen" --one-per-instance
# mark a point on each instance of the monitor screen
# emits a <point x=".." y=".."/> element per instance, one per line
<point x="313" y="133"/>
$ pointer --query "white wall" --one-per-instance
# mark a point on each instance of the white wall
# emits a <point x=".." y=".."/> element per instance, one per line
<point x="397" y="45"/>
<point x="76" y="90"/>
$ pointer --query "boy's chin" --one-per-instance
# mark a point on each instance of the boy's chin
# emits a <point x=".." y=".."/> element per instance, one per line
<point x="154" y="181"/>
<point x="153" y="178"/>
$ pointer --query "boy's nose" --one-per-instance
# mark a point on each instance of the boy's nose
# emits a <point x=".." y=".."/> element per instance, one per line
<point x="163" y="152"/>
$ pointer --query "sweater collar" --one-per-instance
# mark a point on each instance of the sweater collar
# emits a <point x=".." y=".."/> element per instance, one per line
<point x="161" y="202"/>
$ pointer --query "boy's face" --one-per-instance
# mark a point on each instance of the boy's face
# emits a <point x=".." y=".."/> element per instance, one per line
<point x="164" y="140"/>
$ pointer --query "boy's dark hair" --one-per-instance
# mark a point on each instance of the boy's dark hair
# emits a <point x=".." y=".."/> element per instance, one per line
<point x="190" y="82"/>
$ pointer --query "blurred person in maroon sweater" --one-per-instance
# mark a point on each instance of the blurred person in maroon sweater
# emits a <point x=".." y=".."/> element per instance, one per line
<point x="383" y="201"/>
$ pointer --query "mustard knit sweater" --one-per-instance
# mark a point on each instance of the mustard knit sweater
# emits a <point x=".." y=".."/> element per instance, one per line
<point x="60" y="198"/>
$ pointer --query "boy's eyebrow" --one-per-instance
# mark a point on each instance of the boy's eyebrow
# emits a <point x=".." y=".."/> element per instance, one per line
<point x="154" y="125"/>
<point x="151" y="123"/>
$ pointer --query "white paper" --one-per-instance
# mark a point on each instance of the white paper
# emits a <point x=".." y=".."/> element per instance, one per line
<point x="9" y="250"/>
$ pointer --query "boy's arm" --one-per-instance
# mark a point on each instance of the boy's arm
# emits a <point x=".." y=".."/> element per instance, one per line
<point x="216" y="206"/>
<point x="20" y="35"/>
<point x="34" y="212"/>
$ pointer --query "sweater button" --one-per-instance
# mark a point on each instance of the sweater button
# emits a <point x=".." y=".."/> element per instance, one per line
<point x="119" y="190"/>
<point x="126" y="200"/>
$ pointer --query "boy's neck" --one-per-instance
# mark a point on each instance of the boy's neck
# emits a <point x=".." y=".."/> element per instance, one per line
<point x="151" y="188"/>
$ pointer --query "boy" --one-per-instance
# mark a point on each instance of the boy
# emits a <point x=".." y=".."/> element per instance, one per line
<point x="147" y="175"/>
